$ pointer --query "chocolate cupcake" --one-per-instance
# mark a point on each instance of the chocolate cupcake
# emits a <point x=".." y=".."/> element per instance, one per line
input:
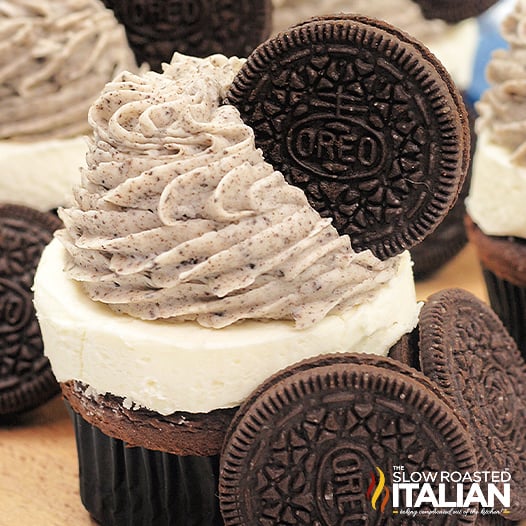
<point x="495" y="205"/>
<point x="205" y="354"/>
<point x="55" y="58"/>
<point x="138" y="467"/>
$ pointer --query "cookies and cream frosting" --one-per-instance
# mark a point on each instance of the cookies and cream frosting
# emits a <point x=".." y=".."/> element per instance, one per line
<point x="498" y="189"/>
<point x="55" y="56"/>
<point x="454" y="44"/>
<point x="179" y="217"/>
<point x="502" y="108"/>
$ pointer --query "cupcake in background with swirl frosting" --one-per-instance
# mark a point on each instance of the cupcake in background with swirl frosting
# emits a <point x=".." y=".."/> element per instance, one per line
<point x="55" y="57"/>
<point x="193" y="272"/>
<point x="496" y="214"/>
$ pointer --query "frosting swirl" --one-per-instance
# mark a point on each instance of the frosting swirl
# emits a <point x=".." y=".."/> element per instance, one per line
<point x="55" y="56"/>
<point x="179" y="216"/>
<point x="502" y="108"/>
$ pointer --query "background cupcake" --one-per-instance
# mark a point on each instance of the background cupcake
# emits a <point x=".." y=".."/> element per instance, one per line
<point x="55" y="57"/>
<point x="156" y="30"/>
<point x="496" y="216"/>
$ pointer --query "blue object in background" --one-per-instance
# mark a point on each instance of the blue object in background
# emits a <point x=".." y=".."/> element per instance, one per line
<point x="490" y="39"/>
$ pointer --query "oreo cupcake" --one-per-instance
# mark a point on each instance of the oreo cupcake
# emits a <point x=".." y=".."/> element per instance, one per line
<point x="496" y="219"/>
<point x="54" y="59"/>
<point x="194" y="270"/>
<point x="174" y="253"/>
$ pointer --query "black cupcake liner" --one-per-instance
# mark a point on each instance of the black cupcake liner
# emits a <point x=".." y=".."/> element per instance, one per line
<point x="440" y="246"/>
<point x="134" y="486"/>
<point x="509" y="302"/>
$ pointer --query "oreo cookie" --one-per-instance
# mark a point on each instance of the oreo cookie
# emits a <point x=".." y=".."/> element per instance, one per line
<point x="157" y="28"/>
<point x="466" y="350"/>
<point x="26" y="380"/>
<point x="453" y="11"/>
<point x="365" y="120"/>
<point x="316" y="444"/>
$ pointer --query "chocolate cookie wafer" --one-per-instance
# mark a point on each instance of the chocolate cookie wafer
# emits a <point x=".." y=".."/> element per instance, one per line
<point x="466" y="350"/>
<point x="305" y="446"/>
<point x="454" y="10"/>
<point x="26" y="380"/>
<point x="156" y="29"/>
<point x="365" y="120"/>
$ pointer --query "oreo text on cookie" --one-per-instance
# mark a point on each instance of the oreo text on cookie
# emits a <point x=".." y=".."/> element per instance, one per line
<point x="364" y="120"/>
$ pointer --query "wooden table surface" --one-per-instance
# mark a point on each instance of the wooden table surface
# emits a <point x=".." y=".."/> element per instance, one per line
<point x="38" y="462"/>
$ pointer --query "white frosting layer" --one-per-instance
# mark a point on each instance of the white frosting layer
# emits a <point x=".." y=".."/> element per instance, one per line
<point x="497" y="195"/>
<point x="457" y="50"/>
<point x="40" y="174"/>
<point x="171" y="367"/>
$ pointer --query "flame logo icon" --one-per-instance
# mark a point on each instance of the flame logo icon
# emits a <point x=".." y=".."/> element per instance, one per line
<point x="374" y="496"/>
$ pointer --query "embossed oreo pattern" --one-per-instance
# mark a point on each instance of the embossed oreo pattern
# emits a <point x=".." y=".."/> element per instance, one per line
<point x="453" y="11"/>
<point x="25" y="374"/>
<point x="465" y="349"/>
<point x="353" y="112"/>
<point x="157" y="28"/>
<point x="303" y="449"/>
